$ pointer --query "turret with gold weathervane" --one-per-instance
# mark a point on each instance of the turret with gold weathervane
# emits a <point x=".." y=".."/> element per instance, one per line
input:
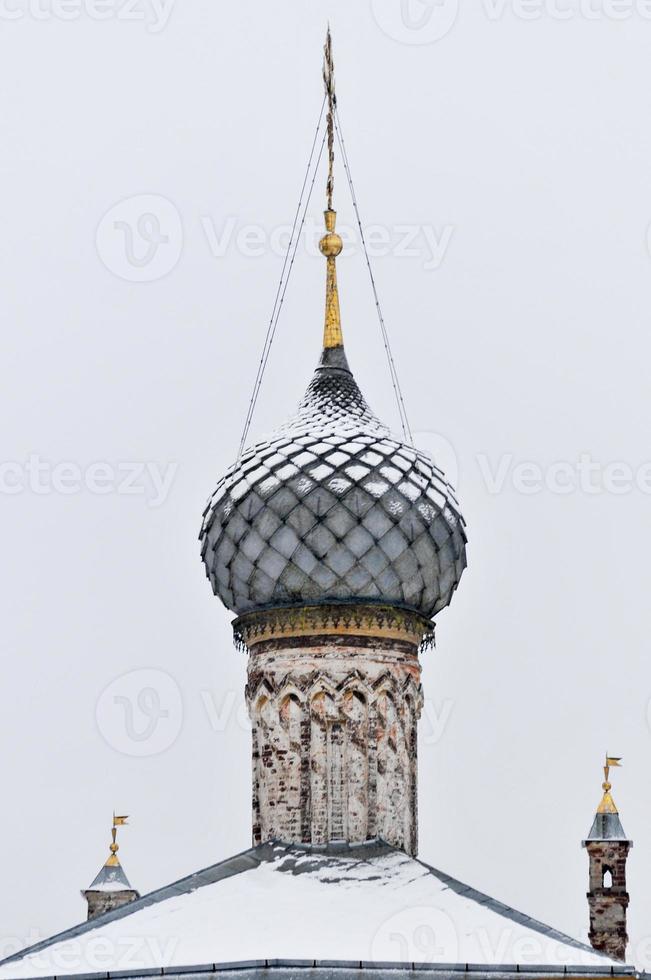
<point x="111" y="888"/>
<point x="608" y="846"/>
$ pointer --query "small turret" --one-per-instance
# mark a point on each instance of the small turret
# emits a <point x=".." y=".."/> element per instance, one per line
<point x="608" y="846"/>
<point x="111" y="888"/>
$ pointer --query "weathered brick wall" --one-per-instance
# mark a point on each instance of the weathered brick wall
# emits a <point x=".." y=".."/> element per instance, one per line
<point x="334" y="739"/>
<point x="608" y="904"/>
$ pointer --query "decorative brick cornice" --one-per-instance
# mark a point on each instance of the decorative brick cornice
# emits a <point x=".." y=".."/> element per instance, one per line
<point x="376" y="621"/>
<point x="305" y="686"/>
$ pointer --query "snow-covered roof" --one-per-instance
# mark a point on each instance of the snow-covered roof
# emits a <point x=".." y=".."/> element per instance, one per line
<point x="365" y="905"/>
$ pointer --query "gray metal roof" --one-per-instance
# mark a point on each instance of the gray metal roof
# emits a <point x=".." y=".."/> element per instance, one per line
<point x="110" y="878"/>
<point x="295" y="860"/>
<point x="350" y="970"/>
<point x="333" y="507"/>
<point x="606" y="826"/>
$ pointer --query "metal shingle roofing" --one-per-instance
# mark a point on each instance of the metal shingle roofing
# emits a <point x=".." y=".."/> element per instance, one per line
<point x="333" y="507"/>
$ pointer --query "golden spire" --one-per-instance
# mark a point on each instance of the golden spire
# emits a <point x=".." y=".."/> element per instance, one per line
<point x="607" y="804"/>
<point x="331" y="243"/>
<point x="112" y="860"/>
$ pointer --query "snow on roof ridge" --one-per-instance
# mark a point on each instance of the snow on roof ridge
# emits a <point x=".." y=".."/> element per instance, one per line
<point x="276" y="851"/>
<point x="150" y="898"/>
<point x="509" y="912"/>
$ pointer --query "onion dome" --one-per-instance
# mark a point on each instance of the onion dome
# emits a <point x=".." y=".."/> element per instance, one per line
<point x="331" y="507"/>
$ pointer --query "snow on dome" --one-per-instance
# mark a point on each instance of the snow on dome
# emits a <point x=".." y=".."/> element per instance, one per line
<point x="333" y="507"/>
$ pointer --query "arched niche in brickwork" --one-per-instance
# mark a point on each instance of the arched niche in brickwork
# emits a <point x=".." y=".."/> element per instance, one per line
<point x="356" y="761"/>
<point x="288" y="806"/>
<point x="390" y="775"/>
<point x="410" y="711"/>
<point x="322" y="716"/>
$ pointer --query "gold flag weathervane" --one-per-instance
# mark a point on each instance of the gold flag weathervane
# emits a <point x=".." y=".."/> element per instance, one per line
<point x="607" y="804"/>
<point x="118" y="821"/>
<point x="331" y="243"/>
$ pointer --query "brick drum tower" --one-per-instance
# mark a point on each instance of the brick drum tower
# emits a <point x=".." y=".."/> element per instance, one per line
<point x="335" y="543"/>
<point x="608" y="846"/>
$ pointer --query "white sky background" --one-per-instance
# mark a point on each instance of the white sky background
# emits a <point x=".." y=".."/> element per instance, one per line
<point x="528" y="142"/>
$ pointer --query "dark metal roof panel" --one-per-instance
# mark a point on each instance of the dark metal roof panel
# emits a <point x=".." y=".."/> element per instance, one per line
<point x="606" y="826"/>
<point x="354" y="970"/>
<point x="112" y="878"/>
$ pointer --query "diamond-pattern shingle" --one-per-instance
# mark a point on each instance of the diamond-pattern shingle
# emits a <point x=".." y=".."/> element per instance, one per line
<point x="331" y="506"/>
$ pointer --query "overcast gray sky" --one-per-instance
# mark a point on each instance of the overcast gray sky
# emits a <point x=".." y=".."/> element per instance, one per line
<point x="502" y="151"/>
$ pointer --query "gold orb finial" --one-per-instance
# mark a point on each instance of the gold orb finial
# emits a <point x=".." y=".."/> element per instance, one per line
<point x="113" y="860"/>
<point x="331" y="244"/>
